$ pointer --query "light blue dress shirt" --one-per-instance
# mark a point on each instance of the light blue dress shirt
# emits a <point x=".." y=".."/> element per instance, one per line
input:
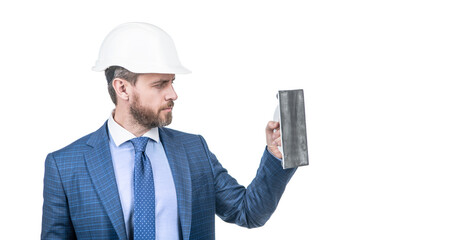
<point x="122" y="153"/>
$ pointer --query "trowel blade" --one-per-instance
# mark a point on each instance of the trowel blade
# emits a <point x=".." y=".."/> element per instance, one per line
<point x="293" y="128"/>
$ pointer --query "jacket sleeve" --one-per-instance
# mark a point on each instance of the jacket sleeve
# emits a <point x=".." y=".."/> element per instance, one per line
<point x="56" y="223"/>
<point x="252" y="206"/>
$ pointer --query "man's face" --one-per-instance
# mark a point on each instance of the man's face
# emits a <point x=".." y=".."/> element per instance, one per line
<point x="152" y="99"/>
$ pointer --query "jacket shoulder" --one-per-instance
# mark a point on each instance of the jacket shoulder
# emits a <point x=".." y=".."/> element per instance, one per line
<point x="179" y="134"/>
<point x="81" y="145"/>
<point x="190" y="141"/>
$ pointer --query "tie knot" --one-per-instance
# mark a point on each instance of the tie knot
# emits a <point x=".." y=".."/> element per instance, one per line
<point x="140" y="143"/>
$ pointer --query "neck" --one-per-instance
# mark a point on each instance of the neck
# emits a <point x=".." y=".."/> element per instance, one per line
<point x="123" y="117"/>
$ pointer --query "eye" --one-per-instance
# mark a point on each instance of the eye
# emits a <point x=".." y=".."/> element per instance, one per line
<point x="161" y="84"/>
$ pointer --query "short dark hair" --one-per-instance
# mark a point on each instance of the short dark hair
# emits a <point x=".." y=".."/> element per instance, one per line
<point x="118" y="72"/>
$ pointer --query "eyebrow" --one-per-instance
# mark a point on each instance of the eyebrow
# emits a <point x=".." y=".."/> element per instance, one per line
<point x="162" y="80"/>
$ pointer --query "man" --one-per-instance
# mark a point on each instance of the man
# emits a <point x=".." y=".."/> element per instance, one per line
<point x="135" y="179"/>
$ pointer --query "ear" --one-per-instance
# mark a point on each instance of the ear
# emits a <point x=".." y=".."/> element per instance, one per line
<point x="122" y="88"/>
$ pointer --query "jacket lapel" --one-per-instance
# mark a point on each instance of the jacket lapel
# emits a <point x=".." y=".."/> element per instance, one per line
<point x="100" y="167"/>
<point x="179" y="166"/>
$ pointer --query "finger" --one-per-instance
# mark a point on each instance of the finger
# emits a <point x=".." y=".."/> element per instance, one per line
<point x="272" y="125"/>
<point x="277" y="142"/>
<point x="275" y="152"/>
<point x="276" y="135"/>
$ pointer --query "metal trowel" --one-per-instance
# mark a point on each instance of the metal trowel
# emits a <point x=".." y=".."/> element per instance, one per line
<point x="290" y="113"/>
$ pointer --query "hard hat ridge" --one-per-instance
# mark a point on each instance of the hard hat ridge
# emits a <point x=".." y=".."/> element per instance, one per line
<point x="140" y="48"/>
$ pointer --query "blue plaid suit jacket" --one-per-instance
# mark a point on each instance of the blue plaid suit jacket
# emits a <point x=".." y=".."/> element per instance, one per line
<point x="81" y="199"/>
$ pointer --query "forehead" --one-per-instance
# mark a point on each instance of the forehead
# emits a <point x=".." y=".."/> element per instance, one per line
<point x="155" y="77"/>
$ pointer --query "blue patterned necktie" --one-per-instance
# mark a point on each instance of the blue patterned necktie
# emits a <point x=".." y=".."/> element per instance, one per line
<point x="144" y="193"/>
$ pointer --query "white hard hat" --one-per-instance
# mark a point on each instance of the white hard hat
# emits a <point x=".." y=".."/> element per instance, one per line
<point x="140" y="48"/>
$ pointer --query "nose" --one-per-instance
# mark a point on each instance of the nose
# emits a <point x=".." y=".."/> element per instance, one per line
<point x="171" y="94"/>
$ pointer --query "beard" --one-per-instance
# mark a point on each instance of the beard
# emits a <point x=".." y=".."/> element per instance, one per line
<point x="146" y="116"/>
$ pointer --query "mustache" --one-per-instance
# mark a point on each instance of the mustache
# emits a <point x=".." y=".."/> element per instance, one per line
<point x="170" y="104"/>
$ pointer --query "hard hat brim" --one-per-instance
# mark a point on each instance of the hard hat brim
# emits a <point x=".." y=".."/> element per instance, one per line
<point x="144" y="68"/>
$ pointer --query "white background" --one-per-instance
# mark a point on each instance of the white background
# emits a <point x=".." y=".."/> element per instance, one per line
<point x="387" y="89"/>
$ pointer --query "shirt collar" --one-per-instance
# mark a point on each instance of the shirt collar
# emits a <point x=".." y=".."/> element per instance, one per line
<point x="120" y="135"/>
